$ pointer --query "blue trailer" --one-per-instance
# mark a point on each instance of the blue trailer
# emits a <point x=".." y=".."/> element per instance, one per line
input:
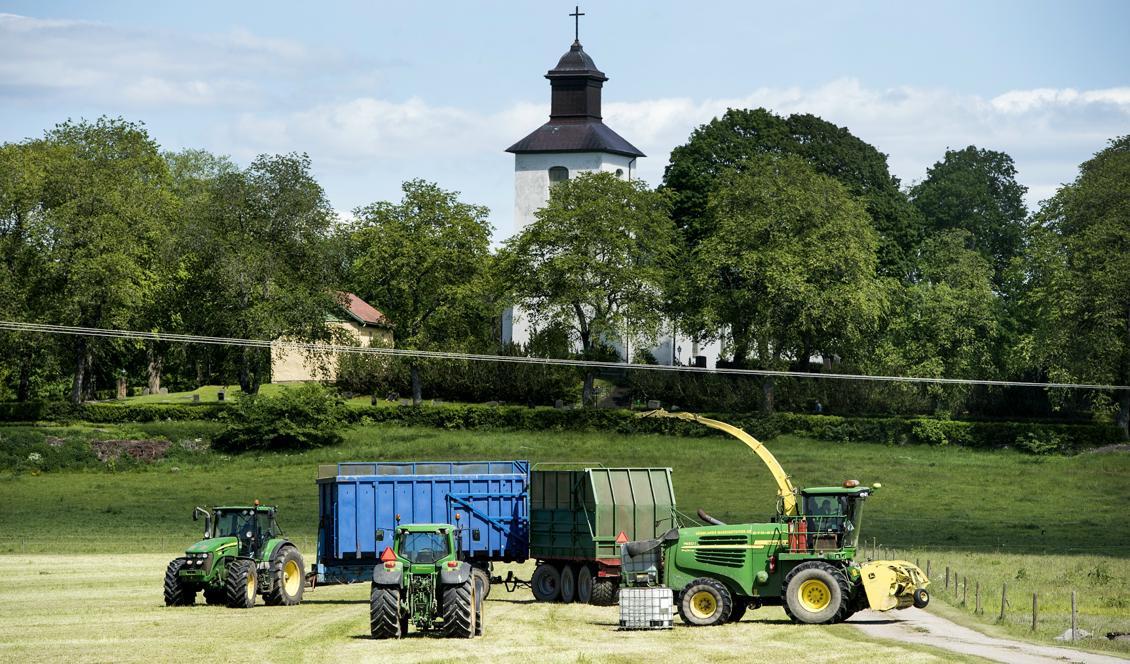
<point x="486" y="500"/>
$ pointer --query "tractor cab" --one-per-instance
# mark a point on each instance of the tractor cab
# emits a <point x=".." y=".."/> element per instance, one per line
<point x="831" y="516"/>
<point x="426" y="544"/>
<point x="251" y="525"/>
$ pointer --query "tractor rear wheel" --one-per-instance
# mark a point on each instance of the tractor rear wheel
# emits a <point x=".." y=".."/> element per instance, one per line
<point x="288" y="577"/>
<point x="546" y="583"/>
<point x="385" y="621"/>
<point x="603" y="592"/>
<point x="177" y="592"/>
<point x="459" y="610"/>
<point x="242" y="583"/>
<point x="584" y="585"/>
<point x="482" y="581"/>
<point x="705" y="602"/>
<point x="568" y="584"/>
<point x="817" y="593"/>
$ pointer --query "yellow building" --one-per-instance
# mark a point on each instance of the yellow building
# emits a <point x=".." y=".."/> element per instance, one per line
<point x="357" y="320"/>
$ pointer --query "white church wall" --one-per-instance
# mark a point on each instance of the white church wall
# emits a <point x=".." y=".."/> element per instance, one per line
<point x="531" y="176"/>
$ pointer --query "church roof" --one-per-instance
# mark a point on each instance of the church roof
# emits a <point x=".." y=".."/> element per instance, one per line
<point x="575" y="62"/>
<point x="589" y="135"/>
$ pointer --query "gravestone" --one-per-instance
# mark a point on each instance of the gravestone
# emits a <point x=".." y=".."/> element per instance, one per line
<point x="373" y="400"/>
<point x="653" y="405"/>
<point x="196" y="398"/>
<point x="559" y="404"/>
<point x="405" y="402"/>
<point x="220" y="395"/>
<point x="145" y="391"/>
<point x="163" y="390"/>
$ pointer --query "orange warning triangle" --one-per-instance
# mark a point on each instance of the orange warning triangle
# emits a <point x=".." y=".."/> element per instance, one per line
<point x="387" y="555"/>
<point x="621" y="538"/>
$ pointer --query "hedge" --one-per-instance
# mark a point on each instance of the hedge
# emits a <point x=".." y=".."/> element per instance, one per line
<point x="108" y="413"/>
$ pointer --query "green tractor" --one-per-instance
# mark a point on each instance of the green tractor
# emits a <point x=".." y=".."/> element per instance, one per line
<point x="422" y="582"/>
<point x="243" y="554"/>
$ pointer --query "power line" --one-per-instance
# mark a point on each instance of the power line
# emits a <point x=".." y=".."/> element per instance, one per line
<point x="42" y="328"/>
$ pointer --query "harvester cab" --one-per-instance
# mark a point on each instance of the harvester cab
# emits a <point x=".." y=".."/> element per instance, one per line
<point x="829" y="518"/>
<point x="243" y="554"/>
<point x="421" y="581"/>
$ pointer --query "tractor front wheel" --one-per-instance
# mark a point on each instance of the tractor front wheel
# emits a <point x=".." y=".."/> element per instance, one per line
<point x="288" y="577"/>
<point x="705" y="602"/>
<point x="215" y="596"/>
<point x="177" y="592"/>
<point x="459" y="610"/>
<point x="546" y="583"/>
<point x="242" y="583"/>
<point x="816" y="593"/>
<point x="385" y="621"/>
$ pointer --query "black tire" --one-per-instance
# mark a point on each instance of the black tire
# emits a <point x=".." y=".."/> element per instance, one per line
<point x="479" y="599"/>
<point x="216" y="596"/>
<point x="288" y="577"/>
<point x="921" y="598"/>
<point x="177" y="592"/>
<point x="705" y="602"/>
<point x="241" y="584"/>
<point x="826" y="594"/>
<point x="568" y="584"/>
<point x="603" y="592"/>
<point x="738" y="611"/>
<point x="546" y="583"/>
<point x="482" y="582"/>
<point x="385" y="621"/>
<point x="459" y="610"/>
<point x="584" y="585"/>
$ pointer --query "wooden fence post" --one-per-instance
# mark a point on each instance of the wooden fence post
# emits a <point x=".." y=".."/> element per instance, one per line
<point x="1073" y="614"/>
<point x="1004" y="599"/>
<point x="1035" y="611"/>
<point x="947" y="577"/>
<point x="977" y="594"/>
<point x="927" y="568"/>
<point x="964" y="591"/>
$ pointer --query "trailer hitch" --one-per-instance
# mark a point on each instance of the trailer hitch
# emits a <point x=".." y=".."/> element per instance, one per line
<point x="511" y="582"/>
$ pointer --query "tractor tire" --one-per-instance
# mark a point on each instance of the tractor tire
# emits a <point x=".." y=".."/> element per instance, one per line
<point x="568" y="584"/>
<point x="738" y="611"/>
<point x="242" y="584"/>
<point x="215" y="596"/>
<point x="705" y="602"/>
<point x="459" y="609"/>
<point x="584" y="585"/>
<point x="288" y="577"/>
<point x="546" y="583"/>
<point x="603" y="592"/>
<point x="921" y="598"/>
<point x="817" y="593"/>
<point x="385" y="621"/>
<point x="482" y="582"/>
<point x="177" y="592"/>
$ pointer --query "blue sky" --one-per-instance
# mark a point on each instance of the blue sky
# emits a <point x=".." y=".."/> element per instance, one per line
<point x="378" y="93"/>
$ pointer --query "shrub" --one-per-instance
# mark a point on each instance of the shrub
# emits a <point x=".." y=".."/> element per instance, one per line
<point x="298" y="418"/>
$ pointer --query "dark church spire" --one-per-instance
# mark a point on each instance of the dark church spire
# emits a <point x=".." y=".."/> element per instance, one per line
<point x="576" y="85"/>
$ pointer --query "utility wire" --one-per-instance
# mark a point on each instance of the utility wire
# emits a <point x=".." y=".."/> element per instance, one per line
<point x="41" y="328"/>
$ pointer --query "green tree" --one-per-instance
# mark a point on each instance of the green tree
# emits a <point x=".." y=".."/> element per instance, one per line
<point x="423" y="262"/>
<point x="976" y="190"/>
<point x="1079" y="290"/>
<point x="729" y="142"/>
<point x="789" y="268"/>
<point x="594" y="260"/>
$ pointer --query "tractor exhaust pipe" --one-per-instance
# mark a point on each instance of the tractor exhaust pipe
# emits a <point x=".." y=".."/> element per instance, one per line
<point x="709" y="519"/>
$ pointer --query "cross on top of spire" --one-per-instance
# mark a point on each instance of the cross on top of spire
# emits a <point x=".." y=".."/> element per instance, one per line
<point x="577" y="14"/>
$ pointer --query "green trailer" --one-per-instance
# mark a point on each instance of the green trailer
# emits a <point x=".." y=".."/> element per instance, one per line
<point x="579" y="519"/>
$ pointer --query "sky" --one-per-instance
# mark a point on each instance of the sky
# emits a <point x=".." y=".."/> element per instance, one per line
<point x="380" y="92"/>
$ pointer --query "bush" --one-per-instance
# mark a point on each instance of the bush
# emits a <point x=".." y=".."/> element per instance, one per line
<point x="299" y="418"/>
<point x="108" y="413"/>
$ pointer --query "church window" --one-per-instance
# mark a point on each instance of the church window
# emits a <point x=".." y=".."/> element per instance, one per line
<point x="558" y="174"/>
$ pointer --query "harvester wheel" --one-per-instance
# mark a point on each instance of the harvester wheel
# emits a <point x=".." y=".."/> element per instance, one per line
<point x="459" y="610"/>
<point x="738" y="612"/>
<point x="177" y="592"/>
<point x="603" y="592"/>
<point x="288" y="577"/>
<point x="242" y="583"/>
<point x="705" y="602"/>
<point x="568" y="584"/>
<point x="584" y="585"/>
<point x="385" y="621"/>
<point x="817" y="593"/>
<point x="546" y="583"/>
<point x="921" y="598"/>
<point x="482" y="582"/>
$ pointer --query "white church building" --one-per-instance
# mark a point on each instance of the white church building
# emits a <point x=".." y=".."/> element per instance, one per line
<point x="575" y="140"/>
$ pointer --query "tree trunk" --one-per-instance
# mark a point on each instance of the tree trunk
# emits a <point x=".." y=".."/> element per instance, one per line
<point x="1123" y="418"/>
<point x="417" y="385"/>
<point x="23" y="392"/>
<point x="586" y="392"/>
<point x="248" y="375"/>
<point x="78" y="383"/>
<point x="155" y="363"/>
<point x="767" y="399"/>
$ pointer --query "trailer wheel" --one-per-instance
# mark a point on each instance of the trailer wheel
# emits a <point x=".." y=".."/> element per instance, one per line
<point x="242" y="584"/>
<point x="288" y="577"/>
<point x="705" y="602"/>
<point x="459" y="610"/>
<point x="603" y="592"/>
<point x="568" y="584"/>
<point x="385" y="621"/>
<point x="482" y="581"/>
<point x="921" y="598"/>
<point x="584" y="585"/>
<point x="546" y="583"/>
<point x="177" y="592"/>
<point x="816" y="593"/>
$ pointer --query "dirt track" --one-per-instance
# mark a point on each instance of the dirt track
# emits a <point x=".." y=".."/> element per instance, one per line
<point x="928" y="629"/>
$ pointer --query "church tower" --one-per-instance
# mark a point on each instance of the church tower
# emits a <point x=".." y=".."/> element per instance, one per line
<point x="575" y="140"/>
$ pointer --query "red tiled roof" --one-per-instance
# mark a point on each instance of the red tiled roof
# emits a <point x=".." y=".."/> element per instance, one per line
<point x="364" y="312"/>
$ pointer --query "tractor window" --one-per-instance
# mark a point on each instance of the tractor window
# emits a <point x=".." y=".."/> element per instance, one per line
<point x="826" y="513"/>
<point x="423" y="548"/>
<point x="237" y="523"/>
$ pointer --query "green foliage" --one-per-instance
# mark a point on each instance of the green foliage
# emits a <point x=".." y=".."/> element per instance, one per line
<point x="295" y="419"/>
